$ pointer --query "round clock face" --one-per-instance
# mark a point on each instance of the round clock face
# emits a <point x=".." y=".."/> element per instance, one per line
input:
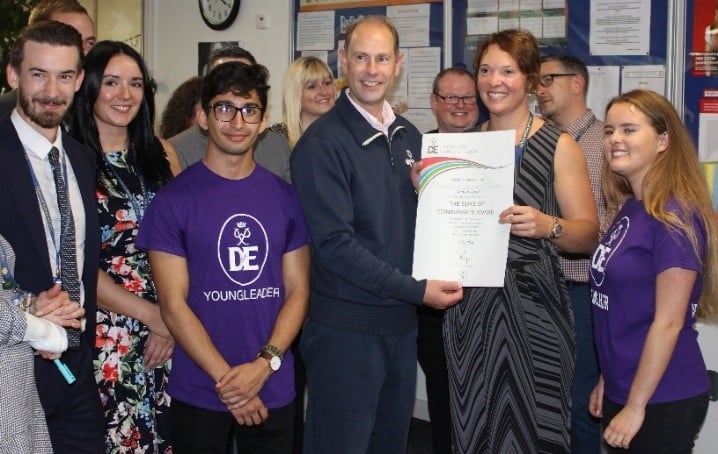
<point x="218" y="14"/>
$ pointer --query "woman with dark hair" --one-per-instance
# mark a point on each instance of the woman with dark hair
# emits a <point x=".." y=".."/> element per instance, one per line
<point x="182" y="109"/>
<point x="510" y="350"/>
<point x="113" y="117"/>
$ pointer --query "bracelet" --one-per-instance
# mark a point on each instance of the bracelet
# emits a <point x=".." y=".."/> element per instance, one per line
<point x="23" y="300"/>
<point x="269" y="348"/>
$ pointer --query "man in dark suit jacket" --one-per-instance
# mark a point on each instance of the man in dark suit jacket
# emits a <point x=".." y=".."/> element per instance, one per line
<point x="45" y="68"/>
<point x="68" y="12"/>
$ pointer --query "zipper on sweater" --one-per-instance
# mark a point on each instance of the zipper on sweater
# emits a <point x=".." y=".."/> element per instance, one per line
<point x="391" y="154"/>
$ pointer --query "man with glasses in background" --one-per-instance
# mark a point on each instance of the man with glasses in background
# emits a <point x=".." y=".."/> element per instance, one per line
<point x="453" y="101"/>
<point x="230" y="259"/>
<point x="562" y="98"/>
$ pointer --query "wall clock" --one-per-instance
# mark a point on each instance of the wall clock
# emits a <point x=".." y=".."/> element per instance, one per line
<point x="218" y="14"/>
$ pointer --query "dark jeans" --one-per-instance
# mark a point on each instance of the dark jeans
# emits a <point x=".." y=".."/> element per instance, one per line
<point x="668" y="428"/>
<point x="200" y="431"/>
<point x="585" y="429"/>
<point x="430" y="350"/>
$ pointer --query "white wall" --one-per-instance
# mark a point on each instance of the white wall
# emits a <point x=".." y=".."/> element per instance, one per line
<point x="173" y="28"/>
<point x="708" y="438"/>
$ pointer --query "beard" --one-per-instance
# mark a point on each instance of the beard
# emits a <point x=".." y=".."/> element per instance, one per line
<point x="43" y="118"/>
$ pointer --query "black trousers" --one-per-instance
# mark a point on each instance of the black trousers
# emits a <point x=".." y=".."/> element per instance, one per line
<point x="669" y="428"/>
<point x="73" y="412"/>
<point x="430" y="351"/>
<point x="200" y="431"/>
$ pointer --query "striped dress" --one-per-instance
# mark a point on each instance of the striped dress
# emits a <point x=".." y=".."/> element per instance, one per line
<point x="511" y="351"/>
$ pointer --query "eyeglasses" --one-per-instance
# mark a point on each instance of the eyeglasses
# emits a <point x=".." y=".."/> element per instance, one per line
<point x="547" y="79"/>
<point x="453" y="99"/>
<point x="226" y="112"/>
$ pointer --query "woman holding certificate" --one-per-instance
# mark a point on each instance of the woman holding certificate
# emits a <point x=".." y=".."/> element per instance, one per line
<point x="510" y="350"/>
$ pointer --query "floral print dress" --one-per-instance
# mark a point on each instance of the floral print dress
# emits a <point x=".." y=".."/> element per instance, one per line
<point x="134" y="400"/>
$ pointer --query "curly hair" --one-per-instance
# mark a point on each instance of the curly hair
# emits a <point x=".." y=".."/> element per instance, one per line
<point x="181" y="108"/>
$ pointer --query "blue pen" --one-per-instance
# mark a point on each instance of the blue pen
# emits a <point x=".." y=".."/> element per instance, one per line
<point x="65" y="371"/>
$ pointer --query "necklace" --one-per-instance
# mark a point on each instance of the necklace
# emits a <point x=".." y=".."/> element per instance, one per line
<point x="521" y="147"/>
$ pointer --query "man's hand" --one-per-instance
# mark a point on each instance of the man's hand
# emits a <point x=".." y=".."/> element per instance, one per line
<point x="252" y="413"/>
<point x="442" y="294"/>
<point x="55" y="305"/>
<point x="242" y="383"/>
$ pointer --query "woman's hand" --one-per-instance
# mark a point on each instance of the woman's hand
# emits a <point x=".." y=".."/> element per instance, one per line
<point x="624" y="426"/>
<point x="527" y="222"/>
<point x="595" y="400"/>
<point x="158" y="350"/>
<point x="415" y="172"/>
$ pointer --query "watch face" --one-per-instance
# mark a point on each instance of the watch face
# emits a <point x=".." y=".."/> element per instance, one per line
<point x="275" y="363"/>
<point x="219" y="14"/>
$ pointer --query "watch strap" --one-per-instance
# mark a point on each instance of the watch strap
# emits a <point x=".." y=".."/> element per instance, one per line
<point x="273" y="350"/>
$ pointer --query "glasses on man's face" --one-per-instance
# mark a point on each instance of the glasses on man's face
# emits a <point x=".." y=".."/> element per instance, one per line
<point x="453" y="99"/>
<point x="547" y="79"/>
<point x="226" y="112"/>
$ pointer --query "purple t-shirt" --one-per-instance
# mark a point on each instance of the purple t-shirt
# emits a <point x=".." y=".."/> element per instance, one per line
<point x="233" y="234"/>
<point x="624" y="268"/>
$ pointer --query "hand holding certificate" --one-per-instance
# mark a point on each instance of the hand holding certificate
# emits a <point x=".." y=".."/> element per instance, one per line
<point x="467" y="179"/>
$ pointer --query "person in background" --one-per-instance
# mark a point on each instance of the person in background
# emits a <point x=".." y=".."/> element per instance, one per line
<point x="454" y="103"/>
<point x="309" y="93"/>
<point x="50" y="219"/>
<point x="352" y="168"/>
<point x="561" y="94"/>
<point x="24" y="330"/>
<point x="68" y="12"/>
<point x="113" y="117"/>
<point x="272" y="149"/>
<point x="510" y="350"/>
<point x="183" y="108"/>
<point x="652" y="274"/>
<point x="228" y="248"/>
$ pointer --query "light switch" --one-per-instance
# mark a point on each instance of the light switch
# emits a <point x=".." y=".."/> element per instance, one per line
<point x="262" y="21"/>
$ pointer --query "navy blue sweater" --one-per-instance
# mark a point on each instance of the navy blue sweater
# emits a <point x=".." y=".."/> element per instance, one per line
<point x="359" y="204"/>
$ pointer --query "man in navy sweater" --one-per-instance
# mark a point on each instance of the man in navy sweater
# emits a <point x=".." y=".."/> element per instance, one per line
<point x="351" y="169"/>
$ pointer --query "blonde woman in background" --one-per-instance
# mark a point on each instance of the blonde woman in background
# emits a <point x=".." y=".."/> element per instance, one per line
<point x="309" y="93"/>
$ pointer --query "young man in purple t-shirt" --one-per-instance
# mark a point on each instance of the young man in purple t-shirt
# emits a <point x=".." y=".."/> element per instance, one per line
<point x="230" y="259"/>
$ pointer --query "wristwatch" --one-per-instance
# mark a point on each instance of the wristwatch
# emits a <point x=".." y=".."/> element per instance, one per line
<point x="272" y="354"/>
<point x="556" y="230"/>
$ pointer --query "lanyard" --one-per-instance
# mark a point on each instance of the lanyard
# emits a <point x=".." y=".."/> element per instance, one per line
<point x="46" y="213"/>
<point x="20" y="298"/>
<point x="138" y="208"/>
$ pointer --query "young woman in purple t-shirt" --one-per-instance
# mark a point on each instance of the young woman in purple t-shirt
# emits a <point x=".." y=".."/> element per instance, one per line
<point x="651" y="276"/>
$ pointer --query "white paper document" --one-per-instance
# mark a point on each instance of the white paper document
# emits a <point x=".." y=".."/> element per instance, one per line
<point x="467" y="179"/>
